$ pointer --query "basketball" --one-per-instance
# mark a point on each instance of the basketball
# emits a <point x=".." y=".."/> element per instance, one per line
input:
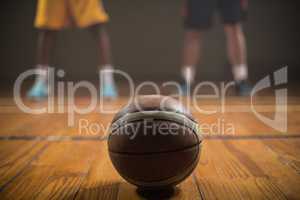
<point x="153" y="142"/>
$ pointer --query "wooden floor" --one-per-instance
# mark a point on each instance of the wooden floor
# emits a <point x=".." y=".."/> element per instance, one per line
<point x="42" y="158"/>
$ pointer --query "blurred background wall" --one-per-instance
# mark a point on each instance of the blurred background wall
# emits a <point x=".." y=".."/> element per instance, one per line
<point x="147" y="40"/>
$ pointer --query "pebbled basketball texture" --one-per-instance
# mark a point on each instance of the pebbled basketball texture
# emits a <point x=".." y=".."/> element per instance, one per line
<point x="153" y="142"/>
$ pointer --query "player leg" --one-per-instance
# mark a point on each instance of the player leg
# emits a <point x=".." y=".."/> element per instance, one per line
<point x="232" y="14"/>
<point x="51" y="17"/>
<point x="236" y="49"/>
<point x="91" y="14"/>
<point x="108" y="87"/>
<point x="44" y="46"/>
<point x="101" y="36"/>
<point x="191" y="54"/>
<point x="197" y="20"/>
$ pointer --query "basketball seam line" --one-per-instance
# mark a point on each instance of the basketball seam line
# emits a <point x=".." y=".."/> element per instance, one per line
<point x="130" y="117"/>
<point x="154" y="153"/>
<point x="193" y="165"/>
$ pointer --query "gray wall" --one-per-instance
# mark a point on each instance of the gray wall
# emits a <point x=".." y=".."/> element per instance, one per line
<point x="147" y="40"/>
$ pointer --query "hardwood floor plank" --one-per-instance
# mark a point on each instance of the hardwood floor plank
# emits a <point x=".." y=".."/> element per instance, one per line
<point x="57" y="174"/>
<point x="251" y="188"/>
<point x="15" y="156"/>
<point x="236" y="169"/>
<point x="54" y="124"/>
<point x="257" y="162"/>
<point x="103" y="182"/>
<point x="244" y="122"/>
<point x="97" y="124"/>
<point x="287" y="152"/>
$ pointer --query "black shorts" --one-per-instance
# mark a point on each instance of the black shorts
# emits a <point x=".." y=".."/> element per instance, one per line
<point x="199" y="13"/>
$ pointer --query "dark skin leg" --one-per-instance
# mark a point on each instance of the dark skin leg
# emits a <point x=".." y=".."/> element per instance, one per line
<point x="192" y="47"/>
<point x="236" y="45"/>
<point x="46" y="39"/>
<point x="103" y="43"/>
<point x="45" y="43"/>
<point x="191" y="53"/>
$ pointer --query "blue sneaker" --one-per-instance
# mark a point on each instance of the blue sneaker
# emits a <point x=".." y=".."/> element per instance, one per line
<point x="38" y="91"/>
<point x="109" y="91"/>
<point x="243" y="88"/>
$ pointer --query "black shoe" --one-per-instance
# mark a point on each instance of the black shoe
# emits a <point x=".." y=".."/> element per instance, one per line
<point x="243" y="88"/>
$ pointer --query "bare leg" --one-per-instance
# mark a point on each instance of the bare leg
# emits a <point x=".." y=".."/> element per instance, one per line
<point x="103" y="42"/>
<point x="45" y="43"/>
<point x="236" y="49"/>
<point x="108" y="88"/>
<point x="44" y="46"/>
<point x="191" y="49"/>
<point x="191" y="54"/>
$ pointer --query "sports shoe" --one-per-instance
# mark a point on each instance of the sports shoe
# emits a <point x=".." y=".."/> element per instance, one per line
<point x="243" y="88"/>
<point x="109" y="91"/>
<point x="38" y="91"/>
